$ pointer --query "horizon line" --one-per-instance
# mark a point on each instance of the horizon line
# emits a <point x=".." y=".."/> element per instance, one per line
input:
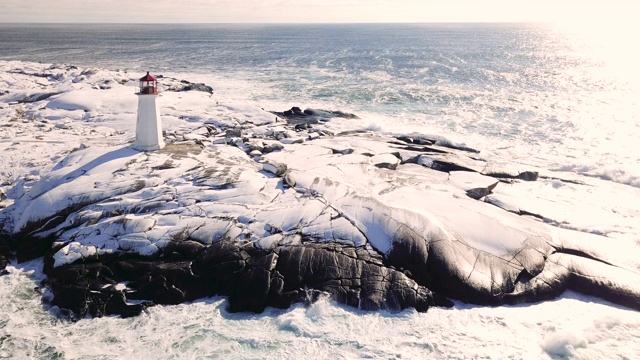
<point x="280" y="23"/>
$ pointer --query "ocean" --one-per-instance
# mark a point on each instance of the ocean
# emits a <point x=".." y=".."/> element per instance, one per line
<point x="555" y="97"/>
<point x="540" y="95"/>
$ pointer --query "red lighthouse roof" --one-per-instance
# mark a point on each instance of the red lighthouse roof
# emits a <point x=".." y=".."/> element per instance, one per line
<point x="148" y="77"/>
<point x="148" y="85"/>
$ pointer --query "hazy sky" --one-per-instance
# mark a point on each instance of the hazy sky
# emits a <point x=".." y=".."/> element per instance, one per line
<point x="319" y="11"/>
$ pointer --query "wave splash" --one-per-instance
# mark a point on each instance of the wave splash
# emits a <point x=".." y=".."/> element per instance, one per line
<point x="572" y="326"/>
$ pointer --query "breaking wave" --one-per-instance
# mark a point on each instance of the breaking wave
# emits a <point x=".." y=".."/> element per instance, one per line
<point x="570" y="327"/>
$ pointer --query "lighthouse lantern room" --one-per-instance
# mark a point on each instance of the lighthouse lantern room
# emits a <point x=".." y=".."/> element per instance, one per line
<point x="148" y="84"/>
<point x="148" y="124"/>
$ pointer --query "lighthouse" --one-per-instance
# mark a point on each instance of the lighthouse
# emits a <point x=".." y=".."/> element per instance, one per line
<point x="148" y="125"/>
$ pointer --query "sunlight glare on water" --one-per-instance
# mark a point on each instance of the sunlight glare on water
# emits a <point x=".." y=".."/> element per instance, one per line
<point x="553" y="96"/>
<point x="562" y="98"/>
<point x="605" y="109"/>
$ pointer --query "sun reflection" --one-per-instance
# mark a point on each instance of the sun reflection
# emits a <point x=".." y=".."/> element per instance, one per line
<point x="604" y="79"/>
<point x="606" y="35"/>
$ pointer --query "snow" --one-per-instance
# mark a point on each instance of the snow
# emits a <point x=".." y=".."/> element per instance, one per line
<point x="81" y="99"/>
<point x="72" y="252"/>
<point x="207" y="231"/>
<point x="72" y="151"/>
<point x="466" y="180"/>
<point x="572" y="326"/>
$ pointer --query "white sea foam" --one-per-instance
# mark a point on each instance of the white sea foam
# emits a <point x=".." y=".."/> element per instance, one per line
<point x="573" y="326"/>
<point x="561" y="132"/>
<point x="605" y="172"/>
<point x="565" y="116"/>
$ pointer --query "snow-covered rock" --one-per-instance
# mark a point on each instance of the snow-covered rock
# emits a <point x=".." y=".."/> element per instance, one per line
<point x="244" y="209"/>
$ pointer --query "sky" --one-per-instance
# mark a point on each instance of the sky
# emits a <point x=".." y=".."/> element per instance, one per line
<point x="314" y="11"/>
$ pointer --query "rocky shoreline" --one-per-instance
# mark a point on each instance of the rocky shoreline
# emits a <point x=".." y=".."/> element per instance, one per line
<point x="274" y="212"/>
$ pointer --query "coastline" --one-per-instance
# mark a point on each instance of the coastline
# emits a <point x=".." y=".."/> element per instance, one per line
<point x="371" y="203"/>
<point x="75" y="117"/>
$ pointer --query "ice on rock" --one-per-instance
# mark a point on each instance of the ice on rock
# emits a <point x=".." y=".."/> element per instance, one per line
<point x="375" y="221"/>
<point x="209" y="230"/>
<point x="503" y="203"/>
<point x="334" y="228"/>
<point x="269" y="242"/>
<point x="288" y="218"/>
<point x="75" y="100"/>
<point x="274" y="168"/>
<point x="476" y="185"/>
<point x="72" y="252"/>
<point x="148" y="250"/>
<point x="388" y="161"/>
<point x="133" y="242"/>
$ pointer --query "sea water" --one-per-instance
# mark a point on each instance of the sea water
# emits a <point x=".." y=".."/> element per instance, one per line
<point x="572" y="326"/>
<point x="555" y="97"/>
<point x="545" y="96"/>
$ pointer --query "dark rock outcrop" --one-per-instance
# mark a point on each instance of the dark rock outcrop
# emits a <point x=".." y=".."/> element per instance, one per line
<point x="185" y="85"/>
<point x="83" y="289"/>
<point x="5" y="254"/>
<point x="296" y="116"/>
<point x="419" y="139"/>
<point x="450" y="162"/>
<point x="269" y="213"/>
<point x="524" y="175"/>
<point x="252" y="278"/>
<point x="37" y="97"/>
<point x="269" y="222"/>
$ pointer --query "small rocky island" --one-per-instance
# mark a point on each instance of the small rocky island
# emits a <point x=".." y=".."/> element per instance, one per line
<point x="274" y="208"/>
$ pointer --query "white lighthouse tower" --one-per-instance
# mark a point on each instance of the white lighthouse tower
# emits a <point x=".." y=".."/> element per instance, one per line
<point x="148" y="125"/>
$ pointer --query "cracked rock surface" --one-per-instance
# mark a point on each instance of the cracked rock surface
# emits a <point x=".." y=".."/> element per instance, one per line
<point x="131" y="229"/>
<point x="269" y="213"/>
